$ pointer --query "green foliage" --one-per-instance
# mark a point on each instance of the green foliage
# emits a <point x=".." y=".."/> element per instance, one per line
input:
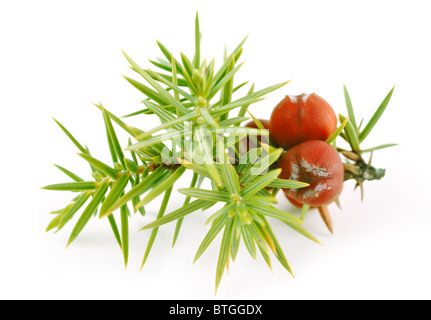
<point x="198" y="132"/>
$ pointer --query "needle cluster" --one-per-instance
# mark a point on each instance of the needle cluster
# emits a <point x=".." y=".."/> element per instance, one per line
<point x="200" y="131"/>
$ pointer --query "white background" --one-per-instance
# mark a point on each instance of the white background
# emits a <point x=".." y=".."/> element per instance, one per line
<point x="56" y="57"/>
